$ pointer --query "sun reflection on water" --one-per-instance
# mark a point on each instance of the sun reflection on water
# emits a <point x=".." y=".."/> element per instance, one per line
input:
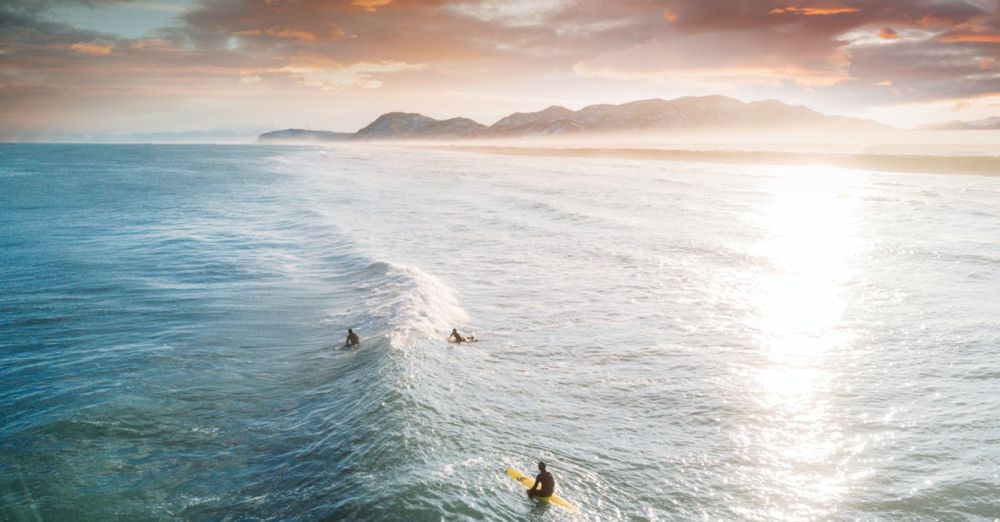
<point x="810" y="238"/>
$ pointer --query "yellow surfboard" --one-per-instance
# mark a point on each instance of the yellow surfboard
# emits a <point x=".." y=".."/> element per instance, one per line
<point x="527" y="482"/>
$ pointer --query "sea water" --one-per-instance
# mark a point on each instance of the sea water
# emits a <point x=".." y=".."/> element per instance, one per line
<point x="677" y="341"/>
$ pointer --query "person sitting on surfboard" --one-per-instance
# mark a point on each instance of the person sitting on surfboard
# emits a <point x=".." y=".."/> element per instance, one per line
<point x="457" y="337"/>
<point x="352" y="338"/>
<point x="545" y="480"/>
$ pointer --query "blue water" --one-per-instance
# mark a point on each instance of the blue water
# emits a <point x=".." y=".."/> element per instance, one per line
<point x="678" y="341"/>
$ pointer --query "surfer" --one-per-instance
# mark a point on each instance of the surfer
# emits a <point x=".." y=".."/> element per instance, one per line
<point x="457" y="337"/>
<point x="352" y="338"/>
<point x="545" y="480"/>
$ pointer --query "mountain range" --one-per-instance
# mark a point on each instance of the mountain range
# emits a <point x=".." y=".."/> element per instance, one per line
<point x="687" y="113"/>
<point x="984" y="124"/>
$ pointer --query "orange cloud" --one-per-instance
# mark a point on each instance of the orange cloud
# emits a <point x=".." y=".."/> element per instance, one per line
<point x="814" y="11"/>
<point x="370" y="5"/>
<point x="717" y="76"/>
<point x="670" y="16"/>
<point x="290" y="34"/>
<point x="970" y="38"/>
<point x="93" y="49"/>
<point x="153" y="44"/>
<point x="888" y="33"/>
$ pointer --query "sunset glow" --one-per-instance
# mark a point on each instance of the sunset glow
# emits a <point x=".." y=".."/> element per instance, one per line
<point x="117" y="66"/>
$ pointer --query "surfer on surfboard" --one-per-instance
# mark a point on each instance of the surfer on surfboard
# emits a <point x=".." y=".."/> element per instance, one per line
<point x="545" y="480"/>
<point x="456" y="337"/>
<point x="352" y="338"/>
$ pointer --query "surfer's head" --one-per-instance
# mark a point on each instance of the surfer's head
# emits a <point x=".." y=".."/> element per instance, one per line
<point x="349" y="330"/>
<point x="541" y="466"/>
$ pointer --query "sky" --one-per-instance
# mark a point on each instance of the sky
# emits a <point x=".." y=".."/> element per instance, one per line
<point x="86" y="67"/>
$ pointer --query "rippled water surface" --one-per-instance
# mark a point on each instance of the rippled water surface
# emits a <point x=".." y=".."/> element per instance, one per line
<point x="677" y="341"/>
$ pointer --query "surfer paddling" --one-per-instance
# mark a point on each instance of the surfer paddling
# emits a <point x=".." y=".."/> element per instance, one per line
<point x="545" y="480"/>
<point x="352" y="338"/>
<point x="456" y="337"/>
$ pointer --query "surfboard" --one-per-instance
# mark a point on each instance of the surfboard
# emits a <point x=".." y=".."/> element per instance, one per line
<point x="527" y="482"/>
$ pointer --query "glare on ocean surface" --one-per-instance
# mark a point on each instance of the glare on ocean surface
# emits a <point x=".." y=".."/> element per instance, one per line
<point x="810" y="229"/>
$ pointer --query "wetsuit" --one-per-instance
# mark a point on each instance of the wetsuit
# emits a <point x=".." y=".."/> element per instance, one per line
<point x="547" y="482"/>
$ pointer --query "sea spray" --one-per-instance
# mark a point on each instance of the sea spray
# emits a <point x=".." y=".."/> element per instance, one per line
<point x="401" y="302"/>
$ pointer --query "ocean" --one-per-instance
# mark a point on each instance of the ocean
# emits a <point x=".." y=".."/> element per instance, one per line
<point x="678" y="341"/>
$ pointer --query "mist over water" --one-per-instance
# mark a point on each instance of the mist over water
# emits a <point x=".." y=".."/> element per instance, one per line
<point x="676" y="340"/>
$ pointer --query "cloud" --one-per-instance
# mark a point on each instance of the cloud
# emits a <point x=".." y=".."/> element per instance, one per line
<point x="511" y="12"/>
<point x="152" y="44"/>
<point x="970" y="38"/>
<point x="814" y="11"/>
<point x="835" y="47"/>
<point x="292" y="34"/>
<point x="370" y="5"/>
<point x="325" y="74"/>
<point x="888" y="33"/>
<point x="722" y="60"/>
<point x="92" y="48"/>
<point x="927" y="69"/>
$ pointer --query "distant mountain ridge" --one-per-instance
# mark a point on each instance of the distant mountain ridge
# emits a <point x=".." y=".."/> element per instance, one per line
<point x="396" y="125"/>
<point x="304" y="135"/>
<point x="704" y="112"/>
<point x="983" y="124"/>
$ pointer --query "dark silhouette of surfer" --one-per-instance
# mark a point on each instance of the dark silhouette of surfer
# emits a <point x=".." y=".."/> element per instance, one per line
<point x="456" y="337"/>
<point x="352" y="338"/>
<point x="545" y="480"/>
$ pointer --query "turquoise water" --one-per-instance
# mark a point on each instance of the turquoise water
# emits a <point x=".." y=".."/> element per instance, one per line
<point x="677" y="341"/>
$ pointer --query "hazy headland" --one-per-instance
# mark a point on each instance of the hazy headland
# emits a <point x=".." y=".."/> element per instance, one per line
<point x="709" y="129"/>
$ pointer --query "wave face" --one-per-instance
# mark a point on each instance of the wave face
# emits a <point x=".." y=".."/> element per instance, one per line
<point x="409" y="304"/>
<point x="678" y="341"/>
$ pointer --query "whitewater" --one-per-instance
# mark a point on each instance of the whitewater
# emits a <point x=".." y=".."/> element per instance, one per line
<point x="677" y="341"/>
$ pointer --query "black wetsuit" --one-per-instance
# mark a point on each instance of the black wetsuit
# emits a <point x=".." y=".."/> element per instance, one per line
<point x="548" y="484"/>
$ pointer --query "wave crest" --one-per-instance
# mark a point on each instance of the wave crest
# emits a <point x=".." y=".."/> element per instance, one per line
<point x="402" y="302"/>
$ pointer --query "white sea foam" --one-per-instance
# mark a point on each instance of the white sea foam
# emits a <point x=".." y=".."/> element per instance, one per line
<point x="404" y="303"/>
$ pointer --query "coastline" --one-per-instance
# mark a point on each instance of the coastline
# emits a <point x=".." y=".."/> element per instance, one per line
<point x="905" y="163"/>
